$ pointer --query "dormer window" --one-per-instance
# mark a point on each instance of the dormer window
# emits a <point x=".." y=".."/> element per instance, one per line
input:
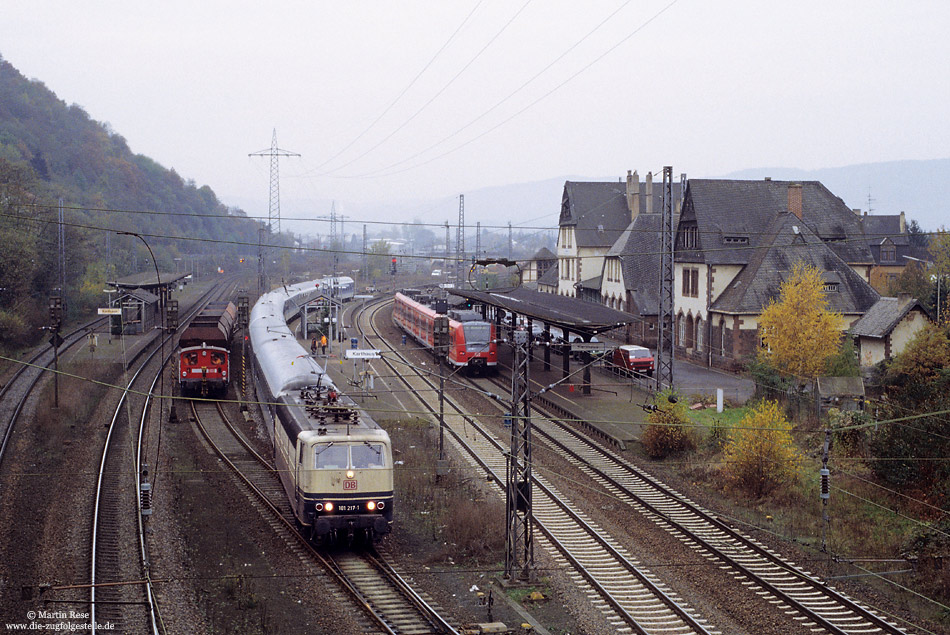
<point x="888" y="252"/>
<point x="831" y="287"/>
<point x="735" y="240"/>
<point x="690" y="237"/>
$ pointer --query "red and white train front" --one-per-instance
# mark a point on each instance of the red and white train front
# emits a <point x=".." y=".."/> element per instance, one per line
<point x="472" y="341"/>
<point x="204" y="369"/>
<point x="205" y="350"/>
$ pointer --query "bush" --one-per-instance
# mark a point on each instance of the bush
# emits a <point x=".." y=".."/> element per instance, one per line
<point x="852" y="442"/>
<point x="669" y="429"/>
<point x="760" y="454"/>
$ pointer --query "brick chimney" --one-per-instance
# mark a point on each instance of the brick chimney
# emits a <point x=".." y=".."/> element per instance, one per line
<point x="633" y="194"/>
<point x="649" y="192"/>
<point x="903" y="223"/>
<point x="795" y="199"/>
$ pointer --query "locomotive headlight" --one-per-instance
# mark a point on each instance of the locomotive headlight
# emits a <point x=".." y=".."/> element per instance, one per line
<point x="380" y="505"/>
<point x="318" y="507"/>
<point x="350" y="474"/>
<point x="328" y="506"/>
<point x="371" y="506"/>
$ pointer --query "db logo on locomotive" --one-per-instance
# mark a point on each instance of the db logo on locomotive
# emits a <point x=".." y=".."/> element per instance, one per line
<point x="349" y="485"/>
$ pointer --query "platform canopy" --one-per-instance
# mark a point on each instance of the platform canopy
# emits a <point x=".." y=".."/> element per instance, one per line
<point x="147" y="280"/>
<point x="569" y="314"/>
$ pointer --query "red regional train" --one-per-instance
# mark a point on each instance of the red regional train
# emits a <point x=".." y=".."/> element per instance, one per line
<point x="471" y="339"/>
<point x="204" y="350"/>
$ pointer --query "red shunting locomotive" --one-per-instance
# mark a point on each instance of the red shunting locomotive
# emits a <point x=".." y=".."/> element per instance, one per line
<point x="204" y="351"/>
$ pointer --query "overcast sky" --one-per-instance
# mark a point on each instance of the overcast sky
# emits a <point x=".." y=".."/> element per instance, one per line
<point x="419" y="100"/>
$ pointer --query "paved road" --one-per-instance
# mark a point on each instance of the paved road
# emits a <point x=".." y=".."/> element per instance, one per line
<point x="691" y="379"/>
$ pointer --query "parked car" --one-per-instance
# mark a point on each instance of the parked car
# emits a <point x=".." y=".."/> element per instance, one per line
<point x="631" y="359"/>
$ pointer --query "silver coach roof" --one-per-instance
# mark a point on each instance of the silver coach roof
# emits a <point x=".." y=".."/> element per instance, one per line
<point x="286" y="365"/>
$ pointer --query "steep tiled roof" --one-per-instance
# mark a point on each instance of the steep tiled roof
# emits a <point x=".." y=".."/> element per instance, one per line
<point x="639" y="251"/>
<point x="734" y="216"/>
<point x="790" y="241"/>
<point x="884" y="315"/>
<point x="544" y="254"/>
<point x="549" y="277"/>
<point x="876" y="228"/>
<point x="598" y="210"/>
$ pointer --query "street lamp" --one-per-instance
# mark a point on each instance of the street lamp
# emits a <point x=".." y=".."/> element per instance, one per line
<point x="161" y="316"/>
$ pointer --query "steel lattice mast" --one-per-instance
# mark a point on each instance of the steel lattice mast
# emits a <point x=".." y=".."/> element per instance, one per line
<point x="273" y="213"/>
<point x="460" y="242"/>
<point x="664" y="347"/>
<point x="519" y="515"/>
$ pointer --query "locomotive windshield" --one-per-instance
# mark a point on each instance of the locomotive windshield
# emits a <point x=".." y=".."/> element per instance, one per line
<point x="330" y="456"/>
<point x="367" y="455"/>
<point x="336" y="456"/>
<point x="477" y="334"/>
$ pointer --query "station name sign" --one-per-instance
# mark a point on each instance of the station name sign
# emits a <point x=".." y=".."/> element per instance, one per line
<point x="588" y="347"/>
<point x="110" y="311"/>
<point x="361" y="353"/>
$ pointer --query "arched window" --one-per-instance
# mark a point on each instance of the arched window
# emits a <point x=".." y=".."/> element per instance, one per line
<point x="699" y="334"/>
<point x="690" y="332"/>
<point x="722" y="336"/>
<point x="681" y="331"/>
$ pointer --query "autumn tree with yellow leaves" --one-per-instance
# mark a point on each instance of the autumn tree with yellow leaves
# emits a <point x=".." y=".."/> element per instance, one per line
<point x="799" y="331"/>
<point x="760" y="454"/>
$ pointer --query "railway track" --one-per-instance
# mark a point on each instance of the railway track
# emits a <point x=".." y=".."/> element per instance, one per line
<point x="630" y="597"/>
<point x="14" y="394"/>
<point x="779" y="582"/>
<point x="114" y="605"/>
<point x="389" y="603"/>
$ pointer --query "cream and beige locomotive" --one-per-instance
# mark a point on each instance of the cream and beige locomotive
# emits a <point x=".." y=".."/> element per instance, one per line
<point x="334" y="461"/>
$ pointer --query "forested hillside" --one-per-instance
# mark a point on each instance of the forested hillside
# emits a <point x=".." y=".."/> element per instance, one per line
<point x="51" y="151"/>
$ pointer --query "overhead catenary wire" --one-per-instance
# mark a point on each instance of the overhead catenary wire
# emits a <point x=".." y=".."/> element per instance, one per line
<point x="434" y="97"/>
<point x="390" y="171"/>
<point x="408" y="86"/>
<point x="297" y="248"/>
<point x="439" y="225"/>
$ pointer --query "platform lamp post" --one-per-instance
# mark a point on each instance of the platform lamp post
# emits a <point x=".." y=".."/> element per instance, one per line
<point x="144" y="486"/>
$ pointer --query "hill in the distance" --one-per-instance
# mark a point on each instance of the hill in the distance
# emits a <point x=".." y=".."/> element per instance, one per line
<point x="919" y="188"/>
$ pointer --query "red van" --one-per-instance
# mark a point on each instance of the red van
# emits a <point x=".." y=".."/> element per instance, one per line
<point x="633" y="359"/>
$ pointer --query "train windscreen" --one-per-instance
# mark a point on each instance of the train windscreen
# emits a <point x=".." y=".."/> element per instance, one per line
<point x="367" y="455"/>
<point x="477" y="335"/>
<point x="330" y="456"/>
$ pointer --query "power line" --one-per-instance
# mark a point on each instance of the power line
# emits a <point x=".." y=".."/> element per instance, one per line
<point x="404" y="90"/>
<point x="389" y="171"/>
<point x="437" y="94"/>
